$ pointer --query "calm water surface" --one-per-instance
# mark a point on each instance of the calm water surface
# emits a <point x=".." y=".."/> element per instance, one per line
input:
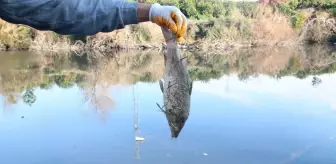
<point x="256" y="120"/>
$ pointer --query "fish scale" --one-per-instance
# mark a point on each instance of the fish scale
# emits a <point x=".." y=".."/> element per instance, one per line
<point x="176" y="87"/>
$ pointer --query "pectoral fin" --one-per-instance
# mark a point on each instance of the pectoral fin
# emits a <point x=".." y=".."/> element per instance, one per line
<point x="161" y="85"/>
<point x="190" y="87"/>
<point x="161" y="108"/>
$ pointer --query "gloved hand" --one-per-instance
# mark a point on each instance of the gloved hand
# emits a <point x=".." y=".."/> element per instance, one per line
<point x="169" y="17"/>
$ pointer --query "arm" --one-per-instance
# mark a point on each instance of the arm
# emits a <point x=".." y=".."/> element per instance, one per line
<point x="74" y="17"/>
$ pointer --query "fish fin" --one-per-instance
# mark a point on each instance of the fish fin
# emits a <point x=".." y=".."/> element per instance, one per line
<point x="184" y="61"/>
<point x="161" y="85"/>
<point x="190" y="87"/>
<point x="160" y="108"/>
<point x="165" y="57"/>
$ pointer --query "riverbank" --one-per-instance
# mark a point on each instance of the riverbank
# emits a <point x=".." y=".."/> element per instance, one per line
<point x="245" y="26"/>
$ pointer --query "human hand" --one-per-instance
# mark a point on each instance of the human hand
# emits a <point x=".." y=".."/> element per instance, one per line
<point x="169" y="17"/>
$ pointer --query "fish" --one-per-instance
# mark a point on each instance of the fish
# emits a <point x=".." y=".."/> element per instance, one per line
<point x="176" y="86"/>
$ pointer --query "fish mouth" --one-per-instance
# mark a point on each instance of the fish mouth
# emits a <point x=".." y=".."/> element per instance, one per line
<point x="176" y="129"/>
<point x="176" y="122"/>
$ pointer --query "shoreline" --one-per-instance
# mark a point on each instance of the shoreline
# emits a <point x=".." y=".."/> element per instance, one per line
<point x="195" y="46"/>
<point x="243" y="28"/>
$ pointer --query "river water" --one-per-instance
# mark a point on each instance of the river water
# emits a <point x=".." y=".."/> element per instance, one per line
<point x="255" y="106"/>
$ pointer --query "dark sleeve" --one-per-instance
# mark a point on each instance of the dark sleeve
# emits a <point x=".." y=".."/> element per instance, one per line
<point x="70" y="17"/>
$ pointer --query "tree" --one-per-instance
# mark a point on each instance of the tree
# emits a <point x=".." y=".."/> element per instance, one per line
<point x="316" y="81"/>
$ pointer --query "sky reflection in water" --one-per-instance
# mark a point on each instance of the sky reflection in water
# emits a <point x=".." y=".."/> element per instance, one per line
<point x="260" y="121"/>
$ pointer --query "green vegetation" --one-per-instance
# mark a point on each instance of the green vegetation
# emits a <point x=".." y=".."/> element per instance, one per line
<point x="211" y="20"/>
<point x="318" y="32"/>
<point x="207" y="9"/>
<point x="333" y="11"/>
<point x="142" y="34"/>
<point x="302" y="73"/>
<point x="146" y="77"/>
<point x="317" y="3"/>
<point x="298" y="20"/>
<point x="204" y="74"/>
<point x="292" y="5"/>
<point x="19" y="37"/>
<point x="229" y="28"/>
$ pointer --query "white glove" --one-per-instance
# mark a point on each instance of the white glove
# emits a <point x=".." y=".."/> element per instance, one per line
<point x="169" y="17"/>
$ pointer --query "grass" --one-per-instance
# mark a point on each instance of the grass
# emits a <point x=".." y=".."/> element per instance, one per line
<point x="142" y="34"/>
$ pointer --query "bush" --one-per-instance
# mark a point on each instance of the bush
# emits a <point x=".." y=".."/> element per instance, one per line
<point x="293" y="4"/>
<point x="218" y="11"/>
<point x="142" y="34"/>
<point x="333" y="11"/>
<point x="319" y="31"/>
<point x="230" y="7"/>
<point x="15" y="36"/>
<point x="188" y="7"/>
<point x="289" y="7"/>
<point x="247" y="9"/>
<point x="205" y="9"/>
<point x="230" y="28"/>
<point x="286" y="9"/>
<point x="297" y="20"/>
<point x="315" y="3"/>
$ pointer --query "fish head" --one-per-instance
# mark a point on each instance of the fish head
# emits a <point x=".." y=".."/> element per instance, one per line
<point x="176" y="123"/>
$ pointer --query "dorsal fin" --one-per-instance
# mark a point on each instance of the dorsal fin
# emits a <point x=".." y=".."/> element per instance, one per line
<point x="190" y="87"/>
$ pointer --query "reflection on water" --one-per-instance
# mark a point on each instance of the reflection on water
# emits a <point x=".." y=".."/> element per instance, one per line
<point x="255" y="106"/>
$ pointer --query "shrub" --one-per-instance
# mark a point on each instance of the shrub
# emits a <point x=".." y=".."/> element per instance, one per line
<point x="142" y="34"/>
<point x="205" y="9"/>
<point x="188" y="7"/>
<point x="293" y="4"/>
<point x="247" y="9"/>
<point x="315" y="3"/>
<point x="333" y="11"/>
<point x="218" y="11"/>
<point x="230" y="28"/>
<point x="286" y="9"/>
<point x="297" y="20"/>
<point x="319" y="31"/>
<point x="15" y="36"/>
<point x="230" y="7"/>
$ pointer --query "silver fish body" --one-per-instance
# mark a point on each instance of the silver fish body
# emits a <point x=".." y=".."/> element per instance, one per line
<point x="176" y="87"/>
